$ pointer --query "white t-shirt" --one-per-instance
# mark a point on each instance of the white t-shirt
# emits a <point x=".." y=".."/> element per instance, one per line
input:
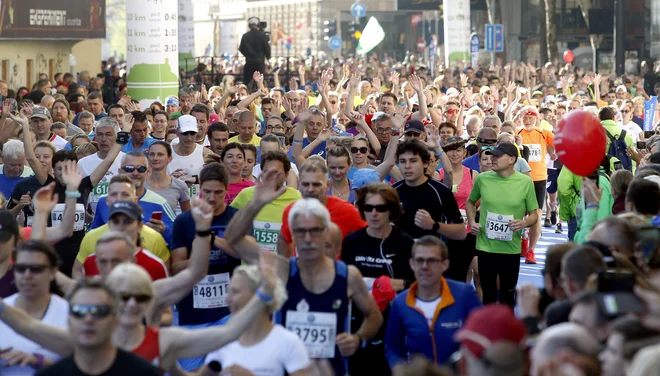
<point x="280" y="351"/>
<point x="256" y="170"/>
<point x="88" y="165"/>
<point x="428" y="308"/>
<point x="56" y="315"/>
<point x="205" y="144"/>
<point x="57" y="141"/>
<point x="633" y="130"/>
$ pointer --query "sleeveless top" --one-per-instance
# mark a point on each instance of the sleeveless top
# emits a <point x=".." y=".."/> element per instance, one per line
<point x="461" y="191"/>
<point x="149" y="349"/>
<point x="318" y="318"/>
<point x="351" y="194"/>
<point x="192" y="163"/>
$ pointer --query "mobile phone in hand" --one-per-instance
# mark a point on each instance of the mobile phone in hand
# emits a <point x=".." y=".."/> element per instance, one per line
<point x="157" y="215"/>
<point x="641" y="145"/>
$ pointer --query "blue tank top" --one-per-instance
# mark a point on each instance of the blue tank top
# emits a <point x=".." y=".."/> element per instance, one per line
<point x="318" y="318"/>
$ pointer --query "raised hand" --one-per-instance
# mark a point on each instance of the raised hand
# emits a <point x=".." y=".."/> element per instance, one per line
<point x="258" y="79"/>
<point x="597" y="80"/>
<point x="205" y="93"/>
<point x="202" y="214"/>
<point x="394" y="77"/>
<point x="71" y="175"/>
<point x="293" y="84"/>
<point x="269" y="186"/>
<point x="415" y="82"/>
<point x="376" y="83"/>
<point x="464" y="79"/>
<point x="354" y="82"/>
<point x="21" y="120"/>
<point x="432" y="136"/>
<point x="44" y="200"/>
<point x="128" y="122"/>
<point x="495" y="93"/>
<point x="26" y="109"/>
<point x="6" y="107"/>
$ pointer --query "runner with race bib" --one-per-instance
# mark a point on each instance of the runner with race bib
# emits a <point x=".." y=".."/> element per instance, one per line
<point x="506" y="198"/>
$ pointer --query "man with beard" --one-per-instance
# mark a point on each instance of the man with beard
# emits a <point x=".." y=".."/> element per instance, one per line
<point x="40" y="122"/>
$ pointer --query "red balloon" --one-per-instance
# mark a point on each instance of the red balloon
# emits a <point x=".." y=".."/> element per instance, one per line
<point x="580" y="142"/>
<point x="568" y="56"/>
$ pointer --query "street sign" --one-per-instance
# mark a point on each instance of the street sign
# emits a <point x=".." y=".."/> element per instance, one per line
<point x="334" y="43"/>
<point x="421" y="45"/>
<point x="474" y="49"/>
<point x="358" y="9"/>
<point x="494" y="37"/>
<point x="288" y="45"/>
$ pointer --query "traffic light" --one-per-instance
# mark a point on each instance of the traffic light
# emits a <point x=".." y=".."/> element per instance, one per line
<point x="354" y="29"/>
<point x="330" y="29"/>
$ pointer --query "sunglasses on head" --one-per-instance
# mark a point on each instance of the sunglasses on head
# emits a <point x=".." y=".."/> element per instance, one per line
<point x="139" y="298"/>
<point x="486" y="142"/>
<point x="130" y="168"/>
<point x="98" y="311"/>
<point x="381" y="208"/>
<point x="34" y="269"/>
<point x="487" y="148"/>
<point x="362" y="150"/>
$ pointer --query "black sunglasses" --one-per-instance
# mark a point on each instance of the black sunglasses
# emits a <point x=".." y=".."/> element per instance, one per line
<point x="130" y="168"/>
<point x="34" y="269"/>
<point x="486" y="142"/>
<point x="362" y="150"/>
<point x="139" y="298"/>
<point x="190" y="133"/>
<point x="381" y="208"/>
<point x="98" y="311"/>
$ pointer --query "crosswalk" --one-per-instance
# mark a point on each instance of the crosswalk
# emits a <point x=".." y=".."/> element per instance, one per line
<point x="532" y="273"/>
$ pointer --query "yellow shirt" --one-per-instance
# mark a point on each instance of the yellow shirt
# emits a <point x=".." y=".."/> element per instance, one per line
<point x="256" y="140"/>
<point x="149" y="239"/>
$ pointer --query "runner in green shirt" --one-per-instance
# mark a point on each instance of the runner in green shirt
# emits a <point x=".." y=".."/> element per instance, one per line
<point x="508" y="205"/>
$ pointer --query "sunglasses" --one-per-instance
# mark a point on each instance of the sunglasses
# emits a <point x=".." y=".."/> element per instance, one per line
<point x="190" y="133"/>
<point x="625" y="111"/>
<point x="411" y="134"/>
<point x="449" y="112"/>
<point x="382" y="208"/>
<point x="98" y="311"/>
<point x="130" y="168"/>
<point x="486" y="142"/>
<point x="362" y="150"/>
<point x="34" y="269"/>
<point x="487" y="148"/>
<point x="139" y="298"/>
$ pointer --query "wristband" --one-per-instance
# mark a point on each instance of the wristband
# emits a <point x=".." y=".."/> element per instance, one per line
<point x="297" y="141"/>
<point x="75" y="194"/>
<point x="436" y="227"/>
<point x="40" y="361"/>
<point x="264" y="297"/>
<point x="593" y="206"/>
<point x="204" y="233"/>
<point x="122" y="138"/>
<point x="439" y="153"/>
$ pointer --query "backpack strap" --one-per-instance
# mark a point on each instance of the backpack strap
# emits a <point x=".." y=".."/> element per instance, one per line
<point x="612" y="139"/>
<point x="622" y="136"/>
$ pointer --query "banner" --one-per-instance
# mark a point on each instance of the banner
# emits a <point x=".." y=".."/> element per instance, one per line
<point x="152" y="50"/>
<point x="371" y="37"/>
<point x="186" y="31"/>
<point x="418" y="4"/>
<point x="649" y="112"/>
<point x="52" y="19"/>
<point x="457" y="31"/>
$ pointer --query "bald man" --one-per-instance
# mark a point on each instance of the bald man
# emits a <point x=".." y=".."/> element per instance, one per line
<point x="247" y="130"/>
<point x="568" y="337"/>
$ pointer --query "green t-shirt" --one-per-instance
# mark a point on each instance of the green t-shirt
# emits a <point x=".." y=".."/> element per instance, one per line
<point x="268" y="222"/>
<point x="502" y="200"/>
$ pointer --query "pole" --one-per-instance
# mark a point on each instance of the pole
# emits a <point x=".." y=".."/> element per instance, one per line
<point x="492" y="20"/>
<point x="619" y="38"/>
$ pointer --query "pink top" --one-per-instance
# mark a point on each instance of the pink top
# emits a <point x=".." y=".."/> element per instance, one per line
<point x="461" y="191"/>
<point x="234" y="189"/>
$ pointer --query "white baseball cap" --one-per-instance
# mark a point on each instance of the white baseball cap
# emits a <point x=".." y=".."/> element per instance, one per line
<point x="187" y="123"/>
<point x="621" y="88"/>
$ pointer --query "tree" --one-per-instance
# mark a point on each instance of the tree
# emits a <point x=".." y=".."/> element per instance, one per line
<point x="551" y="28"/>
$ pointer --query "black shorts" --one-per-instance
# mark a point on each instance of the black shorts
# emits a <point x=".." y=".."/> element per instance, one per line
<point x="539" y="188"/>
<point x="551" y="185"/>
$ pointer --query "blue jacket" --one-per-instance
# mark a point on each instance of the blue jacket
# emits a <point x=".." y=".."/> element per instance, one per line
<point x="408" y="332"/>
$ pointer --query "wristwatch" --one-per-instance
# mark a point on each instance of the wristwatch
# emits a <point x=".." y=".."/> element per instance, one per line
<point x="436" y="227"/>
<point x="122" y="138"/>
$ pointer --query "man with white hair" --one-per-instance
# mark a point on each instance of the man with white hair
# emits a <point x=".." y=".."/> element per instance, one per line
<point x="106" y="135"/>
<point x="320" y="289"/>
<point x="565" y="337"/>
<point x="14" y="169"/>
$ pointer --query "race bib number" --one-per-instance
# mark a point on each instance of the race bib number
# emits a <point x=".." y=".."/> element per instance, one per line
<point x="497" y="227"/>
<point x="534" y="152"/>
<point x="266" y="234"/>
<point x="100" y="190"/>
<point x="317" y="330"/>
<point x="194" y="190"/>
<point x="463" y="215"/>
<point x="211" y="291"/>
<point x="78" y="222"/>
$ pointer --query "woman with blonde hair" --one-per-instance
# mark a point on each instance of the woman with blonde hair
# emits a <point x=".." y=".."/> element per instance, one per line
<point x="263" y="345"/>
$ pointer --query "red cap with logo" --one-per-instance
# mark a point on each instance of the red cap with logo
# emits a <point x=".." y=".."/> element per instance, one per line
<point x="488" y="325"/>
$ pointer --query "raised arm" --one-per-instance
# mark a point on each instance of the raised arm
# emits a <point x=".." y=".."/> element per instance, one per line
<point x="433" y="140"/>
<point x="416" y="84"/>
<point x="371" y="136"/>
<point x="51" y="338"/>
<point x="185" y="343"/>
<point x="353" y="86"/>
<point x="28" y="144"/>
<point x="100" y="170"/>
<point x="171" y="290"/>
<point x="296" y="146"/>
<point x="389" y="161"/>
<point x="324" y="80"/>
<point x="394" y="77"/>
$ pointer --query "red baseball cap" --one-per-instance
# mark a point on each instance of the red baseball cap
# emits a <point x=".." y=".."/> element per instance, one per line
<point x="488" y="325"/>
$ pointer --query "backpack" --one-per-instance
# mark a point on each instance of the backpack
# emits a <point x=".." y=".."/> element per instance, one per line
<point x="618" y="149"/>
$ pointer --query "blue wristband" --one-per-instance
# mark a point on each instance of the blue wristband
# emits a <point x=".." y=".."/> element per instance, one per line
<point x="261" y="295"/>
<point x="72" y="194"/>
<point x="297" y="141"/>
<point x="593" y="206"/>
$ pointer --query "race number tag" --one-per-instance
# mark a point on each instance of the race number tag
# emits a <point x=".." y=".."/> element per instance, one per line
<point x="100" y="190"/>
<point x="497" y="226"/>
<point x="316" y="330"/>
<point x="194" y="190"/>
<point x="211" y="291"/>
<point x="534" y="152"/>
<point x="463" y="215"/>
<point x="266" y="234"/>
<point x="78" y="222"/>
